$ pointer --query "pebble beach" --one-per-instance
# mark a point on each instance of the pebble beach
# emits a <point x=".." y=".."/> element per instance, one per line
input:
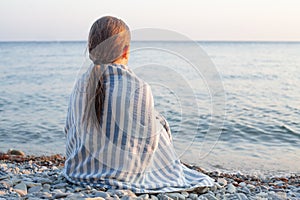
<point x="39" y="177"/>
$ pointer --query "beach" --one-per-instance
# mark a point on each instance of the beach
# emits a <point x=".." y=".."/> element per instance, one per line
<point x="39" y="177"/>
<point x="255" y="155"/>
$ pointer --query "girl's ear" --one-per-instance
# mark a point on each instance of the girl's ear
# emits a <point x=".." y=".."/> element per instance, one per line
<point x="125" y="53"/>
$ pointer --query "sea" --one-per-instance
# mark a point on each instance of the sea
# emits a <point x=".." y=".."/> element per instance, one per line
<point x="231" y="106"/>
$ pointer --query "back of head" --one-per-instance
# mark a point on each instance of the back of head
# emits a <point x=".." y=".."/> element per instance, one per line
<point x="108" y="37"/>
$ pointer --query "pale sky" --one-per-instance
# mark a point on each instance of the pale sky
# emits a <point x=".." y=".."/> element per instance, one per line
<point x="233" y="20"/>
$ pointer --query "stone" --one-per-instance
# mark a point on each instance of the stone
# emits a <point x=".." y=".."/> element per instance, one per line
<point x="153" y="197"/>
<point x="128" y="198"/>
<point x="231" y="188"/>
<point x="2" y="192"/>
<point x="175" y="196"/>
<point x="277" y="196"/>
<point x="60" y="195"/>
<point x="279" y="183"/>
<point x="75" y="196"/>
<point x="60" y="185"/>
<point x="121" y="193"/>
<point x="94" y="198"/>
<point x="4" y="176"/>
<point x="241" y="196"/>
<point x="222" y="181"/>
<point x="15" y="152"/>
<point x="262" y="194"/>
<point x="32" y="184"/>
<point x="143" y="196"/>
<point x="201" y="190"/>
<point x="35" y="189"/>
<point x="46" y="186"/>
<point x="21" y="189"/>
<point x="245" y="190"/>
<point x="251" y="187"/>
<point x="101" y="194"/>
<point x="209" y="196"/>
<point x="78" y="189"/>
<point x="242" y="184"/>
<point x="163" y="197"/>
<point x="43" y="180"/>
<point x="185" y="194"/>
<point x="44" y="195"/>
<point x="193" y="196"/>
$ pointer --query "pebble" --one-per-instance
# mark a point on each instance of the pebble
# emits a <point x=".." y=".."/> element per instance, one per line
<point x="101" y="194"/>
<point x="21" y="189"/>
<point x="15" y="152"/>
<point x="35" y="189"/>
<point x="222" y="181"/>
<point x="144" y="196"/>
<point x="193" y="196"/>
<point x="241" y="196"/>
<point x="176" y="196"/>
<point x="231" y="188"/>
<point x="60" y="195"/>
<point x="30" y="180"/>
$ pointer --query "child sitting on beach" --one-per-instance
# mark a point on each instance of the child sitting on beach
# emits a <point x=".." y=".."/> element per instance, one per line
<point x="115" y="138"/>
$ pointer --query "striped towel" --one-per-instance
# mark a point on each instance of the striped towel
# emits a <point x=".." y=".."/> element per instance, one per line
<point x="132" y="148"/>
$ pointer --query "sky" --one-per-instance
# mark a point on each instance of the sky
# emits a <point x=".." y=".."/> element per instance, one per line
<point x="225" y="20"/>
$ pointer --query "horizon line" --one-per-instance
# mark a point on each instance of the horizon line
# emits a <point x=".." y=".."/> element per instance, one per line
<point x="237" y="41"/>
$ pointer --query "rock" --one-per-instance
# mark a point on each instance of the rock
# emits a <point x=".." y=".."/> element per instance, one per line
<point x="15" y="180"/>
<point x="128" y="198"/>
<point x="144" y="196"/>
<point x="75" y="196"/>
<point x="121" y="193"/>
<point x="222" y="181"/>
<point x="94" y="198"/>
<point x="32" y="184"/>
<point x="175" y="196"/>
<point x="101" y="194"/>
<point x="60" y="195"/>
<point x="251" y="187"/>
<point x="43" y="180"/>
<point x="185" y="194"/>
<point x="21" y="189"/>
<point x="277" y="196"/>
<point x="241" y="196"/>
<point x="4" y="176"/>
<point x="46" y="187"/>
<point x="6" y="184"/>
<point x="15" y="152"/>
<point x="231" y="189"/>
<point x="245" y="190"/>
<point x="193" y="196"/>
<point x="78" y="189"/>
<point x="60" y="185"/>
<point x="2" y="192"/>
<point x="242" y="184"/>
<point x="163" y="197"/>
<point x="262" y="195"/>
<point x="35" y="189"/>
<point x="279" y="183"/>
<point x="201" y="190"/>
<point x="153" y="197"/>
<point x="209" y="196"/>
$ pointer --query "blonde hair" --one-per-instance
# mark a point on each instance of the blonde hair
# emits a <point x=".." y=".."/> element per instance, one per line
<point x="108" y="38"/>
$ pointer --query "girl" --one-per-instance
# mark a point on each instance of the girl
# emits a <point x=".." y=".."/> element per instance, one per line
<point x="115" y="138"/>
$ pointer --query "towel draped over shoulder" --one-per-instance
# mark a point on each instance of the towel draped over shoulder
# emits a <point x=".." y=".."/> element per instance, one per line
<point x="132" y="148"/>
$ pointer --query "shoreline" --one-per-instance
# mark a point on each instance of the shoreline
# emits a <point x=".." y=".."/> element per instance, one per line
<point x="36" y="177"/>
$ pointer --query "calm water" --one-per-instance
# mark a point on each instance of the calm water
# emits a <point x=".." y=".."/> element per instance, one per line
<point x="261" y="131"/>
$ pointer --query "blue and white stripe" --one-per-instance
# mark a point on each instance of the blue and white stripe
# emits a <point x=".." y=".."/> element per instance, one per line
<point x="132" y="149"/>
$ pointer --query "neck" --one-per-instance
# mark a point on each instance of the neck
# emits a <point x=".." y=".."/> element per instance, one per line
<point x="121" y="61"/>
